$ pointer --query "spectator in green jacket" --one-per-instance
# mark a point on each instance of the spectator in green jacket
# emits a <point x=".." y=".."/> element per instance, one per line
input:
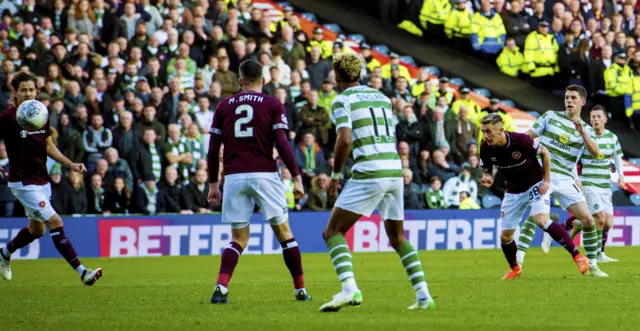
<point x="434" y="195"/>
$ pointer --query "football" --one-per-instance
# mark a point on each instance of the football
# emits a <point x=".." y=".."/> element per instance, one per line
<point x="32" y="115"/>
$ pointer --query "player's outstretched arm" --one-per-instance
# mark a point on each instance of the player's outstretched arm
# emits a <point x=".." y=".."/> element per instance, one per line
<point x="342" y="149"/>
<point x="286" y="154"/>
<point x="54" y="153"/>
<point x="546" y="167"/>
<point x="213" y="167"/>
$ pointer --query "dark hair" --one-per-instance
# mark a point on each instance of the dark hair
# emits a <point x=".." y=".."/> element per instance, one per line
<point x="491" y="119"/>
<point x="22" y="77"/>
<point x="599" y="107"/>
<point x="251" y="71"/>
<point x="577" y="88"/>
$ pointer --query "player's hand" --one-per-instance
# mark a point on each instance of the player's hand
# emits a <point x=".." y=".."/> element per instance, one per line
<point x="544" y="187"/>
<point x="578" y="124"/>
<point x="1" y="172"/>
<point x="298" y="188"/>
<point x="214" y="194"/>
<point x="612" y="167"/>
<point x="621" y="183"/>
<point x="78" y="167"/>
<point x="579" y="184"/>
<point x="333" y="187"/>
<point x="486" y="180"/>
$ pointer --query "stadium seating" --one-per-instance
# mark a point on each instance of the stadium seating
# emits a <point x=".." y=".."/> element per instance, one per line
<point x="635" y="199"/>
<point x="491" y="201"/>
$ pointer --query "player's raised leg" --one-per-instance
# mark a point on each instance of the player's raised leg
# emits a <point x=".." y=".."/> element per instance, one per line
<point x="340" y="222"/>
<point x="546" y="238"/>
<point x="590" y="236"/>
<point x="26" y="236"/>
<point x="561" y="236"/>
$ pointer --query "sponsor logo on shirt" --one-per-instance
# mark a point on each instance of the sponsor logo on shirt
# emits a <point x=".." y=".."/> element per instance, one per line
<point x="564" y="138"/>
<point x="560" y="145"/>
<point x="25" y="133"/>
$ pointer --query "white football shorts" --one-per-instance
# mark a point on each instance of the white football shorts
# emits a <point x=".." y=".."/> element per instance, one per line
<point x="599" y="201"/>
<point x="36" y="200"/>
<point x="514" y="206"/>
<point x="363" y="197"/>
<point x="241" y="192"/>
<point x="566" y="192"/>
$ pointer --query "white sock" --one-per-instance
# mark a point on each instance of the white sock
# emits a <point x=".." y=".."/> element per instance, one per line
<point x="80" y="270"/>
<point x="520" y="255"/>
<point x="547" y="225"/>
<point x="223" y="289"/>
<point x="6" y="252"/>
<point x="593" y="262"/>
<point x="349" y="285"/>
<point x="298" y="290"/>
<point x="423" y="294"/>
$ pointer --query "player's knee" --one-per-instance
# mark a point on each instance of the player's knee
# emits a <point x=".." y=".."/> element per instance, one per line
<point x="282" y="231"/>
<point x="37" y="229"/>
<point x="600" y="219"/>
<point x="506" y="237"/>
<point x="397" y="240"/>
<point x="54" y="222"/>
<point x="330" y="232"/>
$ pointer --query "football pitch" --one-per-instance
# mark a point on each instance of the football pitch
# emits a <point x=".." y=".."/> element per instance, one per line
<point x="172" y="293"/>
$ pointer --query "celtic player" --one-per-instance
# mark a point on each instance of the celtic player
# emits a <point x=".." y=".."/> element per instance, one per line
<point x="596" y="179"/>
<point x="364" y="123"/>
<point x="566" y="137"/>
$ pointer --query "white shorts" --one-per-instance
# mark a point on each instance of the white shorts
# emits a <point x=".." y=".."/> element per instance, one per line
<point x="515" y="204"/>
<point x="36" y="200"/>
<point x="566" y="192"/>
<point x="241" y="192"/>
<point x="363" y="197"/>
<point x="599" y="201"/>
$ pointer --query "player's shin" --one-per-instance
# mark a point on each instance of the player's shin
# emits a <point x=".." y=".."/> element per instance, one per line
<point x="22" y="239"/>
<point x="342" y="263"/>
<point x="527" y="232"/>
<point x="605" y="236"/>
<point x="509" y="250"/>
<point x="561" y="236"/>
<point x="228" y="263"/>
<point x="293" y="260"/>
<point x="590" y="242"/>
<point x="412" y="265"/>
<point x="64" y="247"/>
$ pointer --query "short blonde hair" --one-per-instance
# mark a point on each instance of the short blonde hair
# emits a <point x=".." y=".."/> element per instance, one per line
<point x="348" y="66"/>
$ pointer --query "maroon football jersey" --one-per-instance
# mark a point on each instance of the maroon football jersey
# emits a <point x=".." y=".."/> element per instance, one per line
<point x="246" y="122"/>
<point x="517" y="161"/>
<point x="27" y="150"/>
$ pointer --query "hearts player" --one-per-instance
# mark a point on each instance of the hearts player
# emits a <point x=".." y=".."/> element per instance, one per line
<point x="29" y="182"/>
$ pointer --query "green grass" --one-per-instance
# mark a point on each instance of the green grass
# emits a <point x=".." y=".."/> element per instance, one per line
<point x="172" y="293"/>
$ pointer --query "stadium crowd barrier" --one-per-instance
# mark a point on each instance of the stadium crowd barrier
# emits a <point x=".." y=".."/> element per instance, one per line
<point x="173" y="235"/>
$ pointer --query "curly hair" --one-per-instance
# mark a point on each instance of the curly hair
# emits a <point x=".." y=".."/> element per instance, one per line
<point x="347" y="66"/>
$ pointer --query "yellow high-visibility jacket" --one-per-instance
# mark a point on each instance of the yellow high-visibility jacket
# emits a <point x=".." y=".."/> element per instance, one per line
<point x="618" y="80"/>
<point x="510" y="62"/>
<point x="404" y="72"/>
<point x="541" y="55"/>
<point x="434" y="12"/>
<point x="326" y="48"/>
<point x="632" y="100"/>
<point x="472" y="108"/>
<point x="458" y="24"/>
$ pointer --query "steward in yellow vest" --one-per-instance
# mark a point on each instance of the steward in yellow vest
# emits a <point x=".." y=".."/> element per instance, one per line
<point x="511" y="59"/>
<point x="326" y="47"/>
<point x="541" y="57"/>
<point x="458" y="26"/>
<point x="394" y="62"/>
<point x="632" y="102"/>
<point x="372" y="62"/>
<point x="618" y="82"/>
<point x="465" y="100"/>
<point x="487" y="31"/>
<point x="433" y="15"/>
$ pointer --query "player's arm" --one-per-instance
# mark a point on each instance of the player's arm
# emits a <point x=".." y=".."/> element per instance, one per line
<point x="590" y="144"/>
<point x="617" y="158"/>
<point x="344" y="136"/>
<point x="280" y="127"/>
<point x="54" y="153"/>
<point x="538" y="127"/>
<point x="487" y="169"/>
<point x="546" y="167"/>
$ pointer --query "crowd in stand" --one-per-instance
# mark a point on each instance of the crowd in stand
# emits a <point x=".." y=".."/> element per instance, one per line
<point x="132" y="87"/>
<point x="550" y="43"/>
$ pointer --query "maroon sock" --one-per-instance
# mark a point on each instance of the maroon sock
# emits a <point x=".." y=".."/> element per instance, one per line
<point x="65" y="248"/>
<point x="568" y="224"/>
<point x="230" y="257"/>
<point x="22" y="239"/>
<point x="510" y="251"/>
<point x="605" y="235"/>
<point x="562" y="237"/>
<point x="293" y="260"/>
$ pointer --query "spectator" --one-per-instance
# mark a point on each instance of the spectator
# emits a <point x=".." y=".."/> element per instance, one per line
<point x="148" y="199"/>
<point x="434" y="196"/>
<point x="488" y="32"/>
<point x="462" y="183"/>
<point x="117" y="198"/>
<point x="458" y="26"/>
<point x="177" y="152"/>
<point x="227" y="79"/>
<point x="407" y="159"/>
<point x="411" y="191"/>
<point x="424" y="160"/>
<point x="465" y="100"/>
<point x="83" y="19"/>
<point x="129" y="20"/>
<point x="95" y="195"/>
<point x="441" y="167"/>
<point x="410" y="130"/>
<point x="309" y="157"/>
<point x="7" y="199"/>
<point x="287" y="183"/>
<point x="274" y="83"/>
<point x="516" y="23"/>
<point x="174" y="193"/>
<point x="290" y="49"/>
<point x="74" y="195"/>
<point x="618" y="83"/>
<point x="55" y="179"/>
<point x="541" y="57"/>
<point x="511" y="60"/>
<point x="117" y="167"/>
<point x="319" y="197"/>
<point x="198" y="148"/>
<point x="97" y="138"/>
<point x="467" y="202"/>
<point x="148" y="159"/>
<point x="125" y="139"/>
<point x="70" y="141"/>
<point x="150" y="120"/>
<point x="596" y="75"/>
<point x="318" y="68"/>
<point x="314" y="119"/>
<point x="442" y="132"/>
<point x="465" y="132"/>
<point x="196" y="193"/>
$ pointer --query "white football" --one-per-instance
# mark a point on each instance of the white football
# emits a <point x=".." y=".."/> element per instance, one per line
<point x="32" y="115"/>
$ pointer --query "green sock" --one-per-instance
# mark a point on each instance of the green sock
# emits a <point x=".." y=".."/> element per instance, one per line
<point x="412" y="265"/>
<point x="527" y="232"/>
<point x="340" y="257"/>
<point x="599" y="241"/>
<point x="590" y="241"/>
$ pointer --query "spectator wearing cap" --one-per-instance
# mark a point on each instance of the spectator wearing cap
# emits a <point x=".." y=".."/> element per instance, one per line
<point x="432" y="17"/>
<point x="461" y="183"/>
<point x="394" y="64"/>
<point x="511" y="60"/>
<point x="458" y="26"/>
<point x="445" y="91"/>
<point x="371" y="62"/>
<point x="326" y="46"/>
<point x="517" y="24"/>
<point x="465" y="131"/>
<point x="541" y="57"/>
<point x="318" y="68"/>
<point x="315" y="119"/>
<point x="618" y="80"/>
<point x="488" y="33"/>
<point x="465" y="100"/>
